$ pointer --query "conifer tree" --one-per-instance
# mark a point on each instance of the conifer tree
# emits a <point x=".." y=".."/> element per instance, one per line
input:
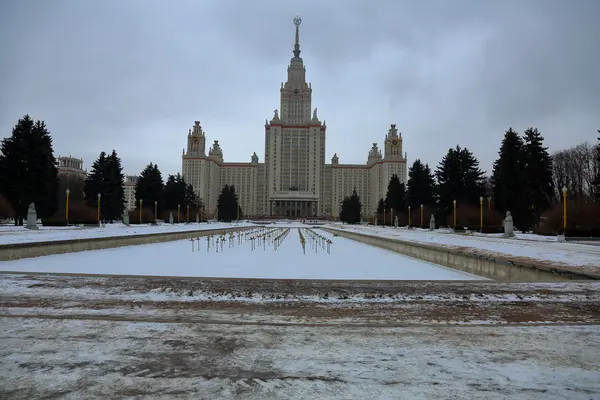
<point x="113" y="195"/>
<point x="539" y="193"/>
<point x="459" y="178"/>
<point x="174" y="192"/>
<point x="149" y="188"/>
<point x="396" y="195"/>
<point x="508" y="178"/>
<point x="227" y="204"/>
<point x="420" y="188"/>
<point x="380" y="206"/>
<point x="94" y="182"/>
<point x="351" y="209"/>
<point x="28" y="171"/>
<point x="192" y="199"/>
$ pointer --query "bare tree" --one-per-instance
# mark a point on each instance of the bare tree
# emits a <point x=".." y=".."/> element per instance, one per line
<point x="595" y="186"/>
<point x="575" y="168"/>
<point x="559" y="170"/>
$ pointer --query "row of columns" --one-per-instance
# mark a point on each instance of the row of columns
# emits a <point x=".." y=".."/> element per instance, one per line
<point x="293" y="208"/>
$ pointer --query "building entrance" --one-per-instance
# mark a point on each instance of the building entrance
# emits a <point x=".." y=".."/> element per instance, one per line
<point x="293" y="208"/>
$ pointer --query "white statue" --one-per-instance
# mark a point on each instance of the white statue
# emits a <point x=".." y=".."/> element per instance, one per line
<point x="31" y="217"/>
<point x="508" y="225"/>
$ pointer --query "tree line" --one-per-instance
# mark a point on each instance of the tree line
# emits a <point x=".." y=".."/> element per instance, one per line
<point x="29" y="173"/>
<point x="525" y="180"/>
<point x="159" y="199"/>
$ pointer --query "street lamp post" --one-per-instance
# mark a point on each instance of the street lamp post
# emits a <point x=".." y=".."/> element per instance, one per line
<point x="99" y="199"/>
<point x="141" y="201"/>
<point x="454" y="202"/>
<point x="409" y="216"/>
<point x="67" y="206"/>
<point x="384" y="212"/>
<point x="481" y="214"/>
<point x="155" y="210"/>
<point x="421" y="216"/>
<point x="391" y="216"/>
<point x="178" y="211"/>
<point x="564" y="191"/>
<point x="187" y="214"/>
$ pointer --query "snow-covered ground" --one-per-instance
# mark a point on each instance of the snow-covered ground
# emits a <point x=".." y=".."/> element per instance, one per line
<point x="18" y="234"/>
<point x="577" y="255"/>
<point x="240" y="258"/>
<point x="126" y="359"/>
<point x="86" y="337"/>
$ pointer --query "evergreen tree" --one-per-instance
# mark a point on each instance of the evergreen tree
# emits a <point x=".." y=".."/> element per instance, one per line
<point x="227" y="204"/>
<point x="28" y="171"/>
<point x="421" y="185"/>
<point x="459" y="178"/>
<point x="174" y="192"/>
<point x="106" y="178"/>
<point x="150" y="188"/>
<point x="351" y="209"/>
<point x="539" y="193"/>
<point x="396" y="195"/>
<point x="380" y="206"/>
<point x="94" y="182"/>
<point x="192" y="199"/>
<point x="113" y="195"/>
<point x="474" y="179"/>
<point x="178" y="192"/>
<point x="508" y="178"/>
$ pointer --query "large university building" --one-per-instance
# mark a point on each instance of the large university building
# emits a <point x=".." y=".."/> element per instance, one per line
<point x="294" y="179"/>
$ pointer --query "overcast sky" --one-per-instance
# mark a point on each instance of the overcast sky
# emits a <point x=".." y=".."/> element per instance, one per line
<point x="134" y="75"/>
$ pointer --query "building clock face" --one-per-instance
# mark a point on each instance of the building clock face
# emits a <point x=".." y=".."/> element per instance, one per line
<point x="394" y="142"/>
<point x="295" y="91"/>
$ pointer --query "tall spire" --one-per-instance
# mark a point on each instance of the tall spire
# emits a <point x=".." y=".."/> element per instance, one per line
<point x="297" y="22"/>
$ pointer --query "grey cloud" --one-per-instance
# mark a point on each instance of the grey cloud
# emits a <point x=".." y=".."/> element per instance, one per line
<point x="134" y="75"/>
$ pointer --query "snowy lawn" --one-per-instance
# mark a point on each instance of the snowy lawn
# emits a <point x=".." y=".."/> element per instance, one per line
<point x="19" y="234"/>
<point x="577" y="255"/>
<point x="240" y="258"/>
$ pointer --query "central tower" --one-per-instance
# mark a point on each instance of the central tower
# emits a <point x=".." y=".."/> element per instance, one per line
<point x="296" y="94"/>
<point x="294" y="147"/>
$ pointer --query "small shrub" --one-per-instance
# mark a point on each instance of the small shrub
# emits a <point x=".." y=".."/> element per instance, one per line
<point x="147" y="216"/>
<point x="52" y="221"/>
<point x="390" y="217"/>
<point x="182" y="216"/>
<point x="79" y="213"/>
<point x="469" y="216"/>
<point x="492" y="229"/>
<point x="6" y="209"/>
<point x="415" y="216"/>
<point x="582" y="220"/>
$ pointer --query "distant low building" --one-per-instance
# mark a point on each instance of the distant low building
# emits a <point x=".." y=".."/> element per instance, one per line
<point x="129" y="190"/>
<point x="71" y="166"/>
